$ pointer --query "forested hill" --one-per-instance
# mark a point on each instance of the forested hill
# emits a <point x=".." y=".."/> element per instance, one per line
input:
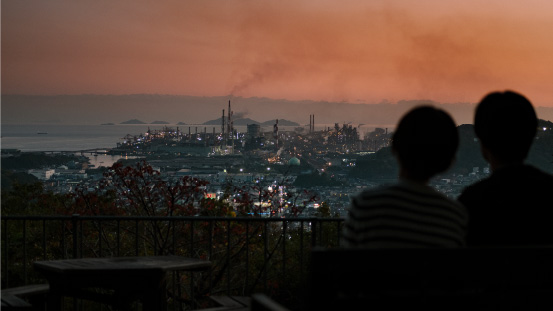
<point x="541" y="153"/>
<point x="383" y="165"/>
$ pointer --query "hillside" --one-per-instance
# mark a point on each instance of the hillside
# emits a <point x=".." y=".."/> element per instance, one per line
<point x="383" y="164"/>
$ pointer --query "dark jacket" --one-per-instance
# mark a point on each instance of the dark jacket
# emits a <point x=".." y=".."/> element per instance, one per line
<point x="514" y="206"/>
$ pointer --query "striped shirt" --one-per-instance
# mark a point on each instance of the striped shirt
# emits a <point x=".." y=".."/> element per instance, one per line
<point x="404" y="215"/>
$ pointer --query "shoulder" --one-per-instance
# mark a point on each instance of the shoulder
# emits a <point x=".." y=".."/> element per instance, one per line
<point x="369" y="195"/>
<point x="385" y="193"/>
<point x="489" y="184"/>
<point x="403" y="194"/>
<point x="507" y="182"/>
<point x="539" y="174"/>
<point x="376" y="192"/>
<point x="476" y="189"/>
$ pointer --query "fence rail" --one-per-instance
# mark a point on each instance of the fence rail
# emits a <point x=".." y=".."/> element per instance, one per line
<point x="248" y="254"/>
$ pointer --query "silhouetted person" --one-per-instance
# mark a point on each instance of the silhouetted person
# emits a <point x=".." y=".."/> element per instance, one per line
<point x="410" y="213"/>
<point x="514" y="206"/>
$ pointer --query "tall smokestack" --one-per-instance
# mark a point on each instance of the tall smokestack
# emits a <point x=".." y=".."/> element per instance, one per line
<point x="230" y="127"/>
<point x="223" y="128"/>
<point x="229" y="120"/>
<point x="275" y="132"/>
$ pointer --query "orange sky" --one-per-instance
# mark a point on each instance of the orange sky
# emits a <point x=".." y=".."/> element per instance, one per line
<point x="354" y="51"/>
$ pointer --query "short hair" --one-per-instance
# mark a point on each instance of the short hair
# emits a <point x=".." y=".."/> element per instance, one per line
<point x="506" y="123"/>
<point x="425" y="141"/>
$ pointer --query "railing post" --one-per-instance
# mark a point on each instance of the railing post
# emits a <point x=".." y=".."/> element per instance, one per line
<point x="5" y="252"/>
<point x="302" y="225"/>
<point x="100" y="238"/>
<point x="136" y="237"/>
<point x="44" y="239"/>
<point x="314" y="232"/>
<point x="63" y="248"/>
<point x="265" y="254"/>
<point x="338" y="234"/>
<point x="25" y="251"/>
<point x="228" y="257"/>
<point x="247" y="257"/>
<point x="210" y="253"/>
<point x="191" y="250"/>
<point x="174" y="237"/>
<point x="284" y="224"/>
<point x="118" y="237"/>
<point x="74" y="220"/>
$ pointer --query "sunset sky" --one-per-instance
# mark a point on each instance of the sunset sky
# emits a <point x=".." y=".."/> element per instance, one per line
<point x="353" y="51"/>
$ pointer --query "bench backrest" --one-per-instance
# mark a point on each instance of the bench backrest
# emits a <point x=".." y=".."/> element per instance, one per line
<point x="388" y="279"/>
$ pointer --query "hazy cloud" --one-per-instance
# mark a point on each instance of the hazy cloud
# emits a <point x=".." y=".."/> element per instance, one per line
<point x="350" y="50"/>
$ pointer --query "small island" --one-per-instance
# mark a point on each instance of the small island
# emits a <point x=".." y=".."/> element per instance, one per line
<point x="133" y="121"/>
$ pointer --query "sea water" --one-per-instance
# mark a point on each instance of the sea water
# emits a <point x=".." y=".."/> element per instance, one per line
<point x="55" y="137"/>
<point x="73" y="137"/>
<point x="69" y="138"/>
<point x="76" y="138"/>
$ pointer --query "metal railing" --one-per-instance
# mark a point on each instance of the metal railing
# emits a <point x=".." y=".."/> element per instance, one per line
<point x="248" y="254"/>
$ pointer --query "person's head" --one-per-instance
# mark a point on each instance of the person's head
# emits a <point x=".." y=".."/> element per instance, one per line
<point x="425" y="142"/>
<point x="506" y="123"/>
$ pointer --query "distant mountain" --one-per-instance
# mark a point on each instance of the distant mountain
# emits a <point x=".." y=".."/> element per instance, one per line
<point x="281" y="122"/>
<point x="133" y="121"/>
<point x="244" y="121"/>
<point x="160" y="122"/>
<point x="213" y="122"/>
<point x="241" y="121"/>
<point x="94" y="109"/>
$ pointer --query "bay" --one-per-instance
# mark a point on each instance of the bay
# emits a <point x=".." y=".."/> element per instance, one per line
<point x="74" y="137"/>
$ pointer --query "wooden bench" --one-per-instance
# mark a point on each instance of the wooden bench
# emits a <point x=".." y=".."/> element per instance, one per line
<point x="432" y="279"/>
<point x="10" y="302"/>
<point x="12" y="298"/>
<point x="262" y="302"/>
<point x="258" y="302"/>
